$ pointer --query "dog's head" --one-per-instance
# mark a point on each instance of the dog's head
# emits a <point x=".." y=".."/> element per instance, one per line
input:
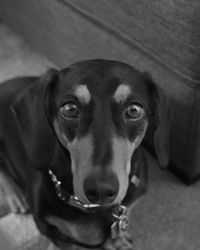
<point x="99" y="111"/>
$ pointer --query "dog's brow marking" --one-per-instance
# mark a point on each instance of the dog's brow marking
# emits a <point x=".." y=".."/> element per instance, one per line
<point x="83" y="93"/>
<point x="121" y="93"/>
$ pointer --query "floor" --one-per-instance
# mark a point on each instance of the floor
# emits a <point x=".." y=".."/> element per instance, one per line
<point x="168" y="216"/>
<point x="17" y="59"/>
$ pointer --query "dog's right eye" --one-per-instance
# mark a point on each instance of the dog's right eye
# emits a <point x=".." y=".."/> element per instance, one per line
<point x="70" y="110"/>
<point x="134" y="112"/>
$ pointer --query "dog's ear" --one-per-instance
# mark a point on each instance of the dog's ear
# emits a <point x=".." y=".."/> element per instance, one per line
<point x="31" y="118"/>
<point x="158" y="132"/>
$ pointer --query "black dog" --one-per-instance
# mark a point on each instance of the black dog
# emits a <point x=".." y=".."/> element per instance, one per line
<point x="71" y="141"/>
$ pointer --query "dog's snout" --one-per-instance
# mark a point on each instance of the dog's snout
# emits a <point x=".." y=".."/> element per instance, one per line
<point x="101" y="191"/>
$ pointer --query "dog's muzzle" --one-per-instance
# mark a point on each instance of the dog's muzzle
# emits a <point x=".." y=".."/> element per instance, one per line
<point x="119" y="212"/>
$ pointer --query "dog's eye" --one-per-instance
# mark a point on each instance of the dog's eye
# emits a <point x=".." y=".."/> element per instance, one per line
<point x="70" y="110"/>
<point x="134" y="112"/>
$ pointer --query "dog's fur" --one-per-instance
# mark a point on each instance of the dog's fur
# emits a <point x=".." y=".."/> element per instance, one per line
<point x="99" y="148"/>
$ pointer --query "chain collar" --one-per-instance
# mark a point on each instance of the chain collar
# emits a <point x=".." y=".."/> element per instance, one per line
<point x="71" y="199"/>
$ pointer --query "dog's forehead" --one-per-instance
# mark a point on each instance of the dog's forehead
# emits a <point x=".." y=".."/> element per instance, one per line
<point x="102" y="79"/>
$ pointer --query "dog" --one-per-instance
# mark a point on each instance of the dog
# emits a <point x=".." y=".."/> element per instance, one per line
<point x="71" y="149"/>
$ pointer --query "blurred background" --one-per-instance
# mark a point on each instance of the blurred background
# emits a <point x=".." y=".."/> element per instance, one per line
<point x="160" y="37"/>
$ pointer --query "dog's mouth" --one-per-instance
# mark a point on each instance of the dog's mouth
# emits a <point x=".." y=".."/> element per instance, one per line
<point x="75" y="202"/>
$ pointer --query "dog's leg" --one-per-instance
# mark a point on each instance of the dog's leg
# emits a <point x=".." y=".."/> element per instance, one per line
<point x="13" y="194"/>
<point x="16" y="200"/>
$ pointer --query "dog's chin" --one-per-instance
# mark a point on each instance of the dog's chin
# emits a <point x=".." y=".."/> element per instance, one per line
<point x="88" y="231"/>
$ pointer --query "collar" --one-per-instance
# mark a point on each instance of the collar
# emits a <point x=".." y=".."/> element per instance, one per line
<point x="71" y="199"/>
<point x="119" y="214"/>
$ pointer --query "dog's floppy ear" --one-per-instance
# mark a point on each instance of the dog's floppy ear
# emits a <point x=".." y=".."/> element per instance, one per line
<point x="30" y="115"/>
<point x="158" y="132"/>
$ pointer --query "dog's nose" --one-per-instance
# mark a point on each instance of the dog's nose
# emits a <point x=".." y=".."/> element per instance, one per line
<point x="102" y="191"/>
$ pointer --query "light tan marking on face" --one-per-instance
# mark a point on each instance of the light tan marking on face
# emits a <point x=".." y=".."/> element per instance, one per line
<point x="81" y="152"/>
<point x="123" y="150"/>
<point x="121" y="93"/>
<point x="83" y="93"/>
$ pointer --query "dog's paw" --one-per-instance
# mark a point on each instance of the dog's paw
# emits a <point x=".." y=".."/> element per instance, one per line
<point x="15" y="199"/>
<point x="120" y="243"/>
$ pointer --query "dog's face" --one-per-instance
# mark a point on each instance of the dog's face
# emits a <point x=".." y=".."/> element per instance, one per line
<point x="100" y="112"/>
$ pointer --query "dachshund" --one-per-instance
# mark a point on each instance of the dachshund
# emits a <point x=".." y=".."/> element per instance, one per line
<point x="71" y="149"/>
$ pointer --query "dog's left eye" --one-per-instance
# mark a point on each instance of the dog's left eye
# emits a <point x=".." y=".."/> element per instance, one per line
<point x="134" y="112"/>
<point x="70" y="110"/>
